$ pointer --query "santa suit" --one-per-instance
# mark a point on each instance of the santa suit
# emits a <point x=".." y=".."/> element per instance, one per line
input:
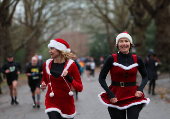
<point x="122" y="73"/>
<point x="61" y="102"/>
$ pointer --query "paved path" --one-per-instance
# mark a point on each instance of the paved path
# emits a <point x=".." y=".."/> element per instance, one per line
<point x="88" y="106"/>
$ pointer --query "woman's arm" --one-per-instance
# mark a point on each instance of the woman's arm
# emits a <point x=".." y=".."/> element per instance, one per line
<point x="143" y="72"/>
<point x="76" y="82"/>
<point x="103" y="73"/>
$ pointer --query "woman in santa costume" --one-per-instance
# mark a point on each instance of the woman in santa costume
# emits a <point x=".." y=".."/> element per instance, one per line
<point x="123" y="97"/>
<point x="59" y="74"/>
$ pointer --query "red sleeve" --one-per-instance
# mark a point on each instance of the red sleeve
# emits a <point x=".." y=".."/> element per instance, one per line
<point x="77" y="84"/>
<point x="44" y="74"/>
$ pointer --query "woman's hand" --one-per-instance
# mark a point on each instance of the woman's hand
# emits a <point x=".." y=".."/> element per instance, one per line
<point x="65" y="72"/>
<point x="43" y="86"/>
<point x="113" y="100"/>
<point x="138" y="94"/>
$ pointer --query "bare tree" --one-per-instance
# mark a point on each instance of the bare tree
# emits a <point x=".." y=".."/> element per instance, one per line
<point x="43" y="19"/>
<point x="7" y="8"/>
<point x="113" y="19"/>
<point x="141" y="21"/>
<point x="159" y="10"/>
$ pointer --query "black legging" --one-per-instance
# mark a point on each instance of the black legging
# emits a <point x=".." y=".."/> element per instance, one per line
<point x="55" y="115"/>
<point x="132" y="112"/>
<point x="152" y="85"/>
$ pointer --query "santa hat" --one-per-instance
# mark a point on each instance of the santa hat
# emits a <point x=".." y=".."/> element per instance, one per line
<point x="124" y="35"/>
<point x="59" y="44"/>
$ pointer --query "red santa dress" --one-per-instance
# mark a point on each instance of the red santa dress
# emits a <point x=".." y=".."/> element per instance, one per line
<point x="125" y="95"/>
<point x="61" y="101"/>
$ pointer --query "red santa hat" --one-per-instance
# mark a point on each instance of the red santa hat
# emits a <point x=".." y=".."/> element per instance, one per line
<point x="59" y="44"/>
<point x="124" y="35"/>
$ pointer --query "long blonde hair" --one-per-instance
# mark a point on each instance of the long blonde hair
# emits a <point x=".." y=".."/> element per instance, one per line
<point x="66" y="55"/>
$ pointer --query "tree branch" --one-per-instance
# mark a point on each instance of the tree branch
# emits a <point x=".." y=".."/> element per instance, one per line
<point x="148" y="7"/>
<point x="25" y="41"/>
<point x="12" y="13"/>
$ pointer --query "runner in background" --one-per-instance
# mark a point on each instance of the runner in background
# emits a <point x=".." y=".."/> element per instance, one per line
<point x="74" y="57"/>
<point x="101" y="62"/>
<point x="87" y="62"/>
<point x="92" y="66"/>
<point x="34" y="71"/>
<point x="12" y="69"/>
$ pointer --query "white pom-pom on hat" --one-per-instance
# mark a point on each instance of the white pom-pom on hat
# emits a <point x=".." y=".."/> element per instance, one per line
<point x="51" y="94"/>
<point x="124" y="35"/>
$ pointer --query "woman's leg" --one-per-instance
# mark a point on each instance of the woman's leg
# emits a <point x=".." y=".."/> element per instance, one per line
<point x="116" y="113"/>
<point x="150" y="85"/>
<point x="55" y="115"/>
<point x="133" y="112"/>
<point x="153" y="87"/>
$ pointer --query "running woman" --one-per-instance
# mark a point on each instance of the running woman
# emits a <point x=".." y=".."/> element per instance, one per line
<point x="12" y="69"/>
<point x="34" y="71"/>
<point x="60" y="74"/>
<point x="123" y="97"/>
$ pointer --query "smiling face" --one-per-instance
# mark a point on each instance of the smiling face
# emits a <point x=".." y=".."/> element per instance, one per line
<point x="54" y="53"/>
<point x="124" y="45"/>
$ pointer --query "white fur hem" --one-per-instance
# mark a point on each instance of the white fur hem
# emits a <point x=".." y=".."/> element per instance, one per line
<point x="145" y="102"/>
<point x="125" y="67"/>
<point x="59" y="111"/>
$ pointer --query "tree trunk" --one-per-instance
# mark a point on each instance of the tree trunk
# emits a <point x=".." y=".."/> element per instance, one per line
<point x="140" y="41"/>
<point x="30" y="50"/>
<point x="162" y="41"/>
<point x="6" y="43"/>
<point x="111" y="43"/>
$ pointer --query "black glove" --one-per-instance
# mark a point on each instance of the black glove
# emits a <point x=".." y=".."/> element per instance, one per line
<point x="69" y="78"/>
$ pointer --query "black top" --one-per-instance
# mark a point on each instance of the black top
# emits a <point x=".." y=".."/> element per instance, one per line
<point x="126" y="60"/>
<point x="14" y="67"/>
<point x="87" y="61"/>
<point x="57" y="69"/>
<point x="35" y="72"/>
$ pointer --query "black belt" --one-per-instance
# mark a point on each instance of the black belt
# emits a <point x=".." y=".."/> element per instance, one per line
<point x="123" y="84"/>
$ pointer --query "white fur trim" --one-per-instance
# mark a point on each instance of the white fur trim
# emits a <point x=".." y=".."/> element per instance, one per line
<point x="68" y="65"/>
<point x="145" y="102"/>
<point x="47" y="66"/>
<point x="58" y="46"/>
<point x="125" y="67"/>
<point x="59" y="111"/>
<point x="124" y="35"/>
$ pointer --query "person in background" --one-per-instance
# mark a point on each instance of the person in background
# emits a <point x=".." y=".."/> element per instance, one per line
<point x="87" y="62"/>
<point x="82" y="65"/>
<point x="34" y="72"/>
<point x="123" y="97"/>
<point x="92" y="66"/>
<point x="12" y="69"/>
<point x="152" y="65"/>
<point x="74" y="57"/>
<point x="60" y="74"/>
<point x="101" y="62"/>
